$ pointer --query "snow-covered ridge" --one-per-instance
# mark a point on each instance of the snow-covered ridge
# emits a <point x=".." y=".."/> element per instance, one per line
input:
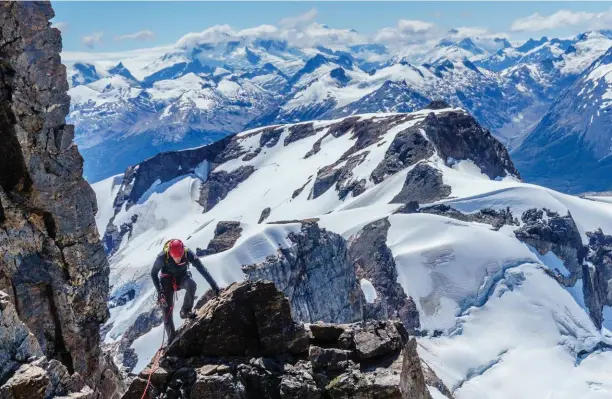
<point x="490" y="312"/>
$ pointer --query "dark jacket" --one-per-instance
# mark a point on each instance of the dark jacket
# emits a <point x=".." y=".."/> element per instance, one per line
<point x="167" y="266"/>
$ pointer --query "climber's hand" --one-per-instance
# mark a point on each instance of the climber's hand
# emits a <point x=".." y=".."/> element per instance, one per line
<point x="161" y="300"/>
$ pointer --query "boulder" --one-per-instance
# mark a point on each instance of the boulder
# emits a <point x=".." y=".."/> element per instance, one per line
<point x="252" y="319"/>
<point x="330" y="359"/>
<point x="326" y="332"/>
<point x="226" y="235"/>
<point x="28" y="382"/>
<point x="378" y="339"/>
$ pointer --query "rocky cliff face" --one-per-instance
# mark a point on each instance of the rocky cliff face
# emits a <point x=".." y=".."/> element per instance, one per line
<point x="53" y="269"/>
<point x="373" y="260"/>
<point x="317" y="263"/>
<point x="548" y="231"/>
<point x="244" y="344"/>
<point x="322" y="261"/>
<point x="597" y="275"/>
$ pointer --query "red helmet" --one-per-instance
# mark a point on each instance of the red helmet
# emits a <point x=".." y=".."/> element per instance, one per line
<point x="176" y="249"/>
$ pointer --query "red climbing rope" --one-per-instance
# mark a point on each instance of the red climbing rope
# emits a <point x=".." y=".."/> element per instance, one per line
<point x="157" y="357"/>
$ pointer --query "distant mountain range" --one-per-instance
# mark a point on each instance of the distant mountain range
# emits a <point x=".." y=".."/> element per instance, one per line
<point x="570" y="148"/>
<point x="130" y="106"/>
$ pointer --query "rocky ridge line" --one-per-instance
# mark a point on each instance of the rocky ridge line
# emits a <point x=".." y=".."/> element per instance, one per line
<point x="244" y="344"/>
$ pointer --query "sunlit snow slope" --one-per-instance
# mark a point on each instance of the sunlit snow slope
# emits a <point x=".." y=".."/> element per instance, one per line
<point x="494" y="323"/>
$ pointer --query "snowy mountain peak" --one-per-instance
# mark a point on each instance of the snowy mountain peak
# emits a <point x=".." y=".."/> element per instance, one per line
<point x="531" y="44"/>
<point x="448" y="49"/>
<point x="469" y="45"/>
<point x="121" y="70"/>
<point x="503" y="42"/>
<point x="83" y="74"/>
<point x="594" y="34"/>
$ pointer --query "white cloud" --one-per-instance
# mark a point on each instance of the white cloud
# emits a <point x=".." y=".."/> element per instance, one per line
<point x="470" y="31"/>
<point x="318" y="34"/>
<point x="311" y="34"/>
<point x="213" y="35"/>
<point x="562" y="19"/>
<point x="258" y="31"/>
<point x="407" y="31"/>
<point x="299" y="20"/>
<point x="415" y="26"/>
<point x="142" y="35"/>
<point x="62" y="26"/>
<point x="92" y="40"/>
<point x="302" y="31"/>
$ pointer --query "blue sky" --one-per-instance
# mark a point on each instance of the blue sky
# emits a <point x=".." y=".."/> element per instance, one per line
<point x="117" y="26"/>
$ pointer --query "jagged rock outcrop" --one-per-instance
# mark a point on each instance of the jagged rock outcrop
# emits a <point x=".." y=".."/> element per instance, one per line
<point x="341" y="177"/>
<point x="548" y="231"/>
<point x="17" y="343"/>
<point x="113" y="235"/>
<point x="458" y="136"/>
<point x="299" y="190"/>
<point x="406" y="149"/>
<point x="244" y="344"/>
<point x="373" y="260"/>
<point x="496" y="218"/>
<point x="264" y="215"/>
<point x="597" y="275"/>
<point x="300" y="131"/>
<point x="423" y="184"/>
<point x="220" y="183"/>
<point x="438" y="104"/>
<point x="53" y="266"/>
<point x="412" y="376"/>
<point x="226" y="235"/>
<point x="365" y="132"/>
<point x="455" y="136"/>
<point x="335" y="130"/>
<point x="316" y="263"/>
<point x="26" y="373"/>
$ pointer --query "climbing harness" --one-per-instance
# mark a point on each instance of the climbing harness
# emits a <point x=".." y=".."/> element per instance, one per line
<point x="175" y="285"/>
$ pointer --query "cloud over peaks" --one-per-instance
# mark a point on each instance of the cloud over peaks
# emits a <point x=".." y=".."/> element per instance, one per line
<point x="92" y="40"/>
<point x="563" y="19"/>
<point x="142" y="35"/>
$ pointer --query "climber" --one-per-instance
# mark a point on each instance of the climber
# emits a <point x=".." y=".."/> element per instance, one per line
<point x="173" y="263"/>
